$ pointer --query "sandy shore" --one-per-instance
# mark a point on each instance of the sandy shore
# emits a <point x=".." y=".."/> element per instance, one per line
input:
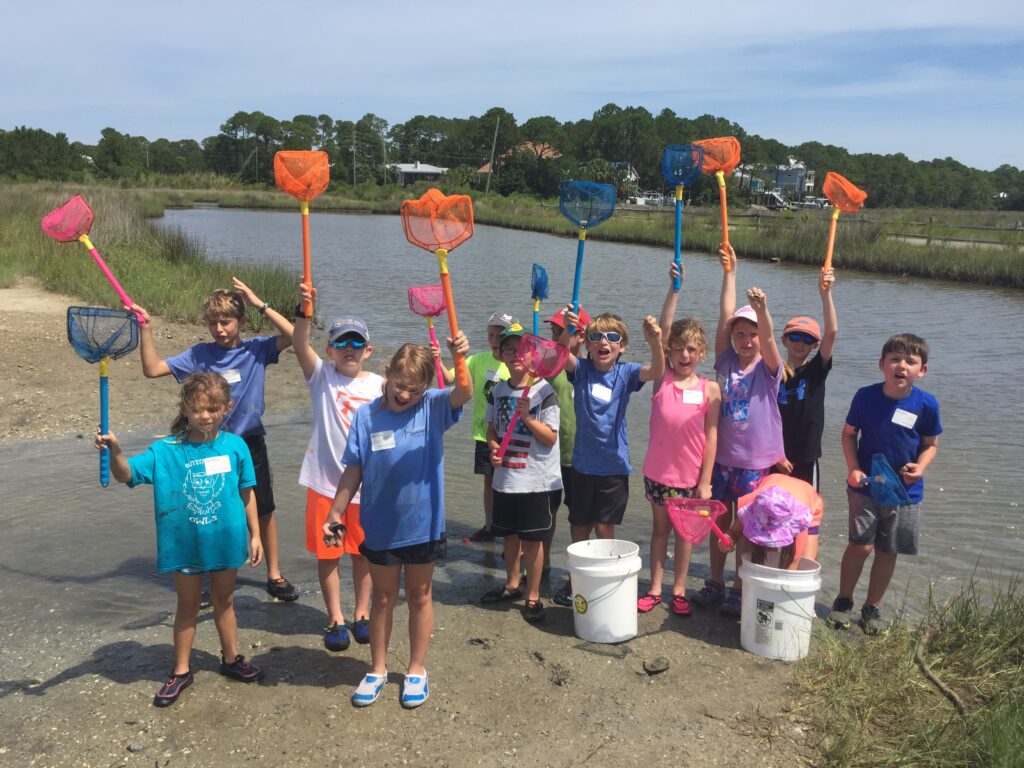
<point x="87" y="629"/>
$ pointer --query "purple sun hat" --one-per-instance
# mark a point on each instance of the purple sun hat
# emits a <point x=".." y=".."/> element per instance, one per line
<point x="774" y="518"/>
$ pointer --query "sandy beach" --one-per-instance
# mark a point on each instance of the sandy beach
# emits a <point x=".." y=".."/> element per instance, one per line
<point x="87" y="624"/>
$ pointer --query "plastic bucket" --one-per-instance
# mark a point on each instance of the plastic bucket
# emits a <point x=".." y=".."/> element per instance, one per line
<point x="603" y="573"/>
<point x="778" y="609"/>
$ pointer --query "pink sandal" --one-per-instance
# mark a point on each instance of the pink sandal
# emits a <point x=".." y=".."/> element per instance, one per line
<point x="646" y="603"/>
<point x="680" y="605"/>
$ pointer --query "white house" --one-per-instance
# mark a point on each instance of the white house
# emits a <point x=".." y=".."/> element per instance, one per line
<point x="411" y="172"/>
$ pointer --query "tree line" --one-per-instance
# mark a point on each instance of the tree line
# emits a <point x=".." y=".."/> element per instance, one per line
<point x="532" y="157"/>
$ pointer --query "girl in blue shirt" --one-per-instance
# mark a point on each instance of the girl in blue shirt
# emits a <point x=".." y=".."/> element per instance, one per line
<point x="395" y="451"/>
<point x="206" y="519"/>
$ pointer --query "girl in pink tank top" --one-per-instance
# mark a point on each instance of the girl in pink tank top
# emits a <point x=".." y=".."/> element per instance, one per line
<point x="681" y="449"/>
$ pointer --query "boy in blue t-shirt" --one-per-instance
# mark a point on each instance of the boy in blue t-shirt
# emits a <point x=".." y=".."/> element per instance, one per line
<point x="243" y="363"/>
<point x="900" y="422"/>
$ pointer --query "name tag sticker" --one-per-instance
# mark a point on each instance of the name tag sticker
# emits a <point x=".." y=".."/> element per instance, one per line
<point x="231" y="376"/>
<point x="601" y="392"/>
<point x="904" y="418"/>
<point x="693" y="396"/>
<point x="217" y="465"/>
<point x="382" y="441"/>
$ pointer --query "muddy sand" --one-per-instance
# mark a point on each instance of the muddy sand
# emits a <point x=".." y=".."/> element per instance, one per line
<point x="87" y="624"/>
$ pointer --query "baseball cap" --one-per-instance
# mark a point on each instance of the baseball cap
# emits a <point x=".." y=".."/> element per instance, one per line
<point x="348" y="324"/>
<point x="804" y="324"/>
<point x="746" y="312"/>
<point x="558" y="319"/>
<point x="504" y="319"/>
<point x="513" y="330"/>
<point x="774" y="518"/>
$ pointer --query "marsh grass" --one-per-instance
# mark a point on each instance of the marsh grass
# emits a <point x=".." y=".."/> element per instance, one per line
<point x="872" y="705"/>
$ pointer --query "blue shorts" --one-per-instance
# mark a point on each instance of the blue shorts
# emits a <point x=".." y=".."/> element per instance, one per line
<point x="728" y="484"/>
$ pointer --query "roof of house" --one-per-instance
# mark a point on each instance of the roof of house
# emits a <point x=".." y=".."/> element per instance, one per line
<point x="417" y="167"/>
<point x="539" y="149"/>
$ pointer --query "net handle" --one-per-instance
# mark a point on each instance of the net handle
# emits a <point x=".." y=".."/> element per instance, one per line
<point x="677" y="281"/>
<point x="104" y="420"/>
<point x="827" y="265"/>
<point x="437" y="360"/>
<point x="577" y="277"/>
<point x="125" y="298"/>
<point x="307" y="268"/>
<point x="461" y="371"/>
<point x="512" y="423"/>
<point x="723" y="207"/>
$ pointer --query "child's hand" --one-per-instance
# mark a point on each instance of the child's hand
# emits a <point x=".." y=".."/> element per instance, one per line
<point x="723" y="548"/>
<point x="727" y="256"/>
<point x="334" y="532"/>
<point x="306" y="293"/>
<point x="911" y="472"/>
<point x="652" y="331"/>
<point x="674" y="272"/>
<point x="458" y="345"/>
<point x="571" y="319"/>
<point x="108" y="440"/>
<point x="255" y="551"/>
<point x="523" y="408"/>
<point x="495" y="459"/>
<point x="704" y="491"/>
<point x="758" y="300"/>
<point x="246" y="291"/>
<point x="828" y="277"/>
<point x="856" y="479"/>
<point x="785" y="466"/>
<point x="147" y="321"/>
<point x="435" y="350"/>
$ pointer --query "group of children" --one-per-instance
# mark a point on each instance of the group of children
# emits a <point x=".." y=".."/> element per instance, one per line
<point x="374" y="466"/>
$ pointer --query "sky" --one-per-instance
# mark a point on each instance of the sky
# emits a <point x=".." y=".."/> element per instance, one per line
<point x="927" y="79"/>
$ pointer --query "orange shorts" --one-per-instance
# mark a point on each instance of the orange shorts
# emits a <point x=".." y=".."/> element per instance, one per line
<point x="317" y="507"/>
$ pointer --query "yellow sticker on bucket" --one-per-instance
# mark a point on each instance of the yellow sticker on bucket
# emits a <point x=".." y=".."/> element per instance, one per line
<point x="581" y="604"/>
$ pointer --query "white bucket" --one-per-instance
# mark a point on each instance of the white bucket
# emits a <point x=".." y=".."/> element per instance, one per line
<point x="778" y="609"/>
<point x="604" y="583"/>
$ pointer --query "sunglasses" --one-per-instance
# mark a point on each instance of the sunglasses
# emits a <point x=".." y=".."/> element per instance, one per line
<point x="613" y="337"/>
<point x="342" y="343"/>
<point x="796" y="337"/>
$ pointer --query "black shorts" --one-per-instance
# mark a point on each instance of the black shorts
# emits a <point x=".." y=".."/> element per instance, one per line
<point x="598" y="498"/>
<point x="482" y="459"/>
<point x="566" y="488"/>
<point x="527" y="515"/>
<point x="264" y="489"/>
<point x="414" y="554"/>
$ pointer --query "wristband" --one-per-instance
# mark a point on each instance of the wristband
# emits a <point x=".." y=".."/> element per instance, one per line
<point x="299" y="313"/>
<point x="263" y="310"/>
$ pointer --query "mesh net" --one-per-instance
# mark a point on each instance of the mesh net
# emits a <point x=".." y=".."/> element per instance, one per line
<point x="681" y="164"/>
<point x="97" y="332"/>
<point x="543" y="358"/>
<point x="302" y="174"/>
<point x="539" y="283"/>
<point x="692" y="518"/>
<point x="721" y="154"/>
<point x="885" y="484"/>
<point x="70" y="221"/>
<point x="586" y="204"/>
<point x="842" y="193"/>
<point x="426" y="300"/>
<point x="438" y="221"/>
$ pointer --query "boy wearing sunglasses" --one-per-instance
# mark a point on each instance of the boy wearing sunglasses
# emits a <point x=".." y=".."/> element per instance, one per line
<point x="802" y="392"/>
<point x="338" y="388"/>
<point x="602" y="386"/>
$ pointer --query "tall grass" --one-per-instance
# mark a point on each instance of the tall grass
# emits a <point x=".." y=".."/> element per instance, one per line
<point x="872" y="704"/>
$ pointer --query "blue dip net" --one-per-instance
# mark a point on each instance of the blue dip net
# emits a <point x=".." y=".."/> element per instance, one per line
<point x="681" y="164"/>
<point x="586" y="204"/>
<point x="97" y="332"/>
<point x="539" y="283"/>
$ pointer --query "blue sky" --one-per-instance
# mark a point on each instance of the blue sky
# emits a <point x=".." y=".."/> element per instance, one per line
<point x="928" y="79"/>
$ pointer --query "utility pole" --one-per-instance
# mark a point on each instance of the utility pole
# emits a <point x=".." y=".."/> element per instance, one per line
<point x="353" y="155"/>
<point x="494" y="143"/>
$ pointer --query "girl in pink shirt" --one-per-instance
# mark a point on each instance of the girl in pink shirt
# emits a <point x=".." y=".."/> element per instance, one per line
<point x="682" y="444"/>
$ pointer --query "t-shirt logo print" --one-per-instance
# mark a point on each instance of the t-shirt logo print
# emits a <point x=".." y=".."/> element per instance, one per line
<point x="202" y="491"/>
<point x="347" y="406"/>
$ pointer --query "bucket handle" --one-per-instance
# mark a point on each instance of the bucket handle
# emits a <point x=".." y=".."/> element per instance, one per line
<point x="619" y="569"/>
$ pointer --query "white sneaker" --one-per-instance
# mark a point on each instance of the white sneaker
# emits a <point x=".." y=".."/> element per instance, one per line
<point x="369" y="689"/>
<point x="415" y="690"/>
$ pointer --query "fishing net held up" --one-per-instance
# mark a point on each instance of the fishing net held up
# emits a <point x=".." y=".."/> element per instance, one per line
<point x="426" y="300"/>
<point x="842" y="193"/>
<point x="97" y="332"/>
<point x="302" y="174"/>
<point x="720" y="154"/>
<point x="438" y="221"/>
<point x="69" y="221"/>
<point x="586" y="204"/>
<point x="681" y="164"/>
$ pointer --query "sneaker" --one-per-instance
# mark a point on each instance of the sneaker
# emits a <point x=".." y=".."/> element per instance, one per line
<point x="415" y="691"/>
<point x="204" y="600"/>
<point x="563" y="596"/>
<point x="336" y="637"/>
<point x="533" y="611"/>
<point x="871" y="621"/>
<point x="282" y="589"/>
<point x="480" y="536"/>
<point x="732" y="605"/>
<point x="839" y="616"/>
<point x="369" y="689"/>
<point x="681" y="606"/>
<point x="171" y="690"/>
<point x="241" y="670"/>
<point x="361" y="631"/>
<point x="710" y="594"/>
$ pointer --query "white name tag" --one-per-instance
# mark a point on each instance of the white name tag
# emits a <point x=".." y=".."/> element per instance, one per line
<point x="601" y="392"/>
<point x="217" y="465"/>
<point x="231" y="376"/>
<point x="904" y="418"/>
<point x="382" y="441"/>
<point x="693" y="396"/>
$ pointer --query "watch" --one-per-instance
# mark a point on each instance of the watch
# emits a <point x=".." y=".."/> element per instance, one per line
<point x="263" y="310"/>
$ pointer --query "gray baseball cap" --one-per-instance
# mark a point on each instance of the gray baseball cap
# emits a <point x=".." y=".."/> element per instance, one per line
<point x="342" y="325"/>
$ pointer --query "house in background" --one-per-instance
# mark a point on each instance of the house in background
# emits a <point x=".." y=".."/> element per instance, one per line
<point x="538" y="149"/>
<point x="793" y="179"/>
<point x="409" y="173"/>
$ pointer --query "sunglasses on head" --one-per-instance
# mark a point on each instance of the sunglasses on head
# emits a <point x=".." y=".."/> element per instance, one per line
<point x="354" y="343"/>
<point x="612" y="336"/>
<point x="797" y="337"/>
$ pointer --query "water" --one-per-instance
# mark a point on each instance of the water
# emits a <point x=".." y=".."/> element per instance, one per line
<point x="972" y="522"/>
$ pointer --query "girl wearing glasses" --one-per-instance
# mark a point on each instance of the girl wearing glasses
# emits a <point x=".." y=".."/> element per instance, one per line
<point x="395" y="457"/>
<point x="802" y="394"/>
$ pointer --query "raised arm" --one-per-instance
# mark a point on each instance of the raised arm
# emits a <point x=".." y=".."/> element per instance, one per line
<point x="280" y="322"/>
<point x="765" y="332"/>
<point x="572" y="341"/>
<point x="727" y="300"/>
<point x="460" y="395"/>
<point x="153" y="366"/>
<point x="304" y="351"/>
<point x="652" y="335"/>
<point x="668" y="309"/>
<point x="828" y="313"/>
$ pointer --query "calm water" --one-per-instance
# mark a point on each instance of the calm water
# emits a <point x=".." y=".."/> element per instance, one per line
<point x="972" y="520"/>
